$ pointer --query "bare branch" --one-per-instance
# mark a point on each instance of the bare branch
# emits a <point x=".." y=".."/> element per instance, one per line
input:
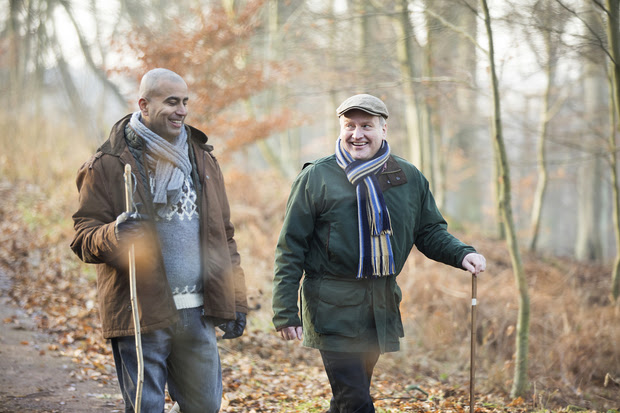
<point x="456" y="29"/>
<point x="600" y="41"/>
<point x="87" y="53"/>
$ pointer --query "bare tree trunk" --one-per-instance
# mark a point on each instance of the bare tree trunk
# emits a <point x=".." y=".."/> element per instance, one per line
<point x="435" y="133"/>
<point x="86" y="51"/>
<point x="332" y="124"/>
<point x="15" y="51"/>
<point x="286" y="157"/>
<point x="432" y="127"/>
<point x="361" y="10"/>
<point x="613" y="30"/>
<point x="613" y="166"/>
<point x="430" y="132"/>
<point x="275" y="47"/>
<point x="454" y="54"/>
<point x="589" y="245"/>
<point x="78" y="106"/>
<point x="520" y="380"/>
<point x="24" y="28"/>
<point x="404" y="47"/>
<point x="497" y="187"/>
<point x="541" y="185"/>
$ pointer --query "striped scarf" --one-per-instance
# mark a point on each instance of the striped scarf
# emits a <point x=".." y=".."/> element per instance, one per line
<point x="375" y="228"/>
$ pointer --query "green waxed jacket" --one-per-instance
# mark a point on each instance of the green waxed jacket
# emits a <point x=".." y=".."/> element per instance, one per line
<point x="319" y="241"/>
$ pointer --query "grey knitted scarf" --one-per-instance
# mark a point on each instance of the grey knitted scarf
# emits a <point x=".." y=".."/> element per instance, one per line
<point x="169" y="161"/>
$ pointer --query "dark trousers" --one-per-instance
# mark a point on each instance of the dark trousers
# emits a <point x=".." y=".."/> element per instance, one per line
<point x="350" y="375"/>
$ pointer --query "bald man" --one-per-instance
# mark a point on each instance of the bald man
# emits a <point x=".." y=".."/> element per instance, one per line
<point x="188" y="273"/>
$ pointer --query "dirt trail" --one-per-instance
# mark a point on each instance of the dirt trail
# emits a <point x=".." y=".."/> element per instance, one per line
<point x="33" y="379"/>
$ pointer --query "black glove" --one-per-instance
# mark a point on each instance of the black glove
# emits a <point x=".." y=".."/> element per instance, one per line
<point x="234" y="329"/>
<point x="129" y="225"/>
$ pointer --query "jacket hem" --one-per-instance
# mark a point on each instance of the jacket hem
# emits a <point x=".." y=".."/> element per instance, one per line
<point x="143" y="330"/>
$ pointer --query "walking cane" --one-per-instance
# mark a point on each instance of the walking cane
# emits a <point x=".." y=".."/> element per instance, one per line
<point x="472" y="366"/>
<point x="132" y="293"/>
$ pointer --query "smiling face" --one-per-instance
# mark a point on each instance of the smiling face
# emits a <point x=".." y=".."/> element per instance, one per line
<point x="361" y="133"/>
<point x="165" y="107"/>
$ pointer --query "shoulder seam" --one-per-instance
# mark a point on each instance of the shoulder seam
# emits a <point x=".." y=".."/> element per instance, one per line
<point x="94" y="159"/>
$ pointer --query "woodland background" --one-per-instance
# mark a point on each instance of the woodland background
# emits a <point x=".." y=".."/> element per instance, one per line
<point x="509" y="108"/>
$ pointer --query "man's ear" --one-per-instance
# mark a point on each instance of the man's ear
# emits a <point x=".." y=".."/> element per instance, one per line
<point x="143" y="103"/>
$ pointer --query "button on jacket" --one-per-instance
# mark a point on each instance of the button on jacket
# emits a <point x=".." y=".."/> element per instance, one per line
<point x="102" y="199"/>
<point x="319" y="240"/>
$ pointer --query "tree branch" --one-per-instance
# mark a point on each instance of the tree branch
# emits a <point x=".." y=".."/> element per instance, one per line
<point x="600" y="41"/>
<point x="456" y="29"/>
<point x="99" y="72"/>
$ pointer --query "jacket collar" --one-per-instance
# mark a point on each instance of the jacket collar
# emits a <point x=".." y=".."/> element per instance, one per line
<point x="116" y="141"/>
<point x="391" y="175"/>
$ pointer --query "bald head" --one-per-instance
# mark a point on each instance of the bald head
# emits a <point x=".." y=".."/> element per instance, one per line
<point x="151" y="81"/>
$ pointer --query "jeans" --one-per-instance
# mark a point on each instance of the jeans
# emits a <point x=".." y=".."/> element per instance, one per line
<point x="184" y="355"/>
<point x="350" y="375"/>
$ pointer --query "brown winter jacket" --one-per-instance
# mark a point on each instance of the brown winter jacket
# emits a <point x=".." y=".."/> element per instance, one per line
<point x="101" y="200"/>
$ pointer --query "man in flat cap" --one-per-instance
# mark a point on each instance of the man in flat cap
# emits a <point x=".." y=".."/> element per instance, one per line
<point x="351" y="221"/>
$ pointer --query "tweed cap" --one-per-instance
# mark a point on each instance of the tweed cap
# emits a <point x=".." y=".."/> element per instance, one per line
<point x="365" y="102"/>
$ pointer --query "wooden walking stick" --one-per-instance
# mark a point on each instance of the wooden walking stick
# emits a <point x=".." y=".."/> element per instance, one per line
<point x="472" y="366"/>
<point x="132" y="292"/>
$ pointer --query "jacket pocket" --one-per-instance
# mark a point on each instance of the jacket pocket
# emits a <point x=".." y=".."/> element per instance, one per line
<point x="342" y="308"/>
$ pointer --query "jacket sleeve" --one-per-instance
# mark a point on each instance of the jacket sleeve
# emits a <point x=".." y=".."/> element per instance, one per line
<point x="432" y="236"/>
<point x="291" y="250"/>
<point x="241" y="303"/>
<point x="94" y="241"/>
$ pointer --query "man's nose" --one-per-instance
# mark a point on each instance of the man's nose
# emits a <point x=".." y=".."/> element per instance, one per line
<point x="358" y="133"/>
<point x="181" y="110"/>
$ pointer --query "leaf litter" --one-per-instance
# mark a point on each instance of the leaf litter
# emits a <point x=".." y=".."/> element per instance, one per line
<point x="261" y="373"/>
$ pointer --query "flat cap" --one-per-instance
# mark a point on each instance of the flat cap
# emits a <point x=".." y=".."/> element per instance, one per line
<point x="365" y="102"/>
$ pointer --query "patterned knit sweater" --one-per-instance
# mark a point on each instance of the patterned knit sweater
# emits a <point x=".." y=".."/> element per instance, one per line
<point x="180" y="241"/>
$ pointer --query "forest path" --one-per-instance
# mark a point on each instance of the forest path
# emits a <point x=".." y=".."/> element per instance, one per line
<point x="33" y="379"/>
